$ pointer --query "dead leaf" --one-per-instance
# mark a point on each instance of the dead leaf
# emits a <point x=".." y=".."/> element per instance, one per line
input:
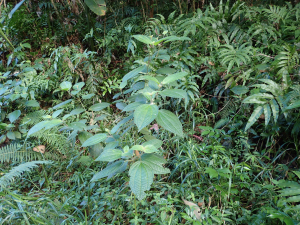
<point x="194" y="207"/>
<point x="40" y="148"/>
<point x="155" y="127"/>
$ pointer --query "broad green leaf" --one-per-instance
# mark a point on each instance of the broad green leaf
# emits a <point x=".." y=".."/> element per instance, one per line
<point x="52" y="123"/>
<point x="83" y="136"/>
<point x="97" y="6"/>
<point x="156" y="162"/>
<point x="77" y="126"/>
<point x="166" y="70"/>
<point x="144" y="115"/>
<point x="170" y="122"/>
<point x="150" y="149"/>
<point x="141" y="178"/>
<point x="56" y="113"/>
<point x="109" y="170"/>
<point x="99" y="106"/>
<point x="255" y="115"/>
<point x="290" y="192"/>
<point x="174" y="93"/>
<point x="154" y="158"/>
<point x="132" y="74"/>
<point x="212" y="172"/>
<point x="229" y="82"/>
<point x="293" y="199"/>
<point x="39" y="126"/>
<point x="17" y="134"/>
<point x="77" y="111"/>
<point x="174" y="77"/>
<point x="32" y="103"/>
<point x="87" y="96"/>
<point x="62" y="104"/>
<point x="297" y="173"/>
<point x="65" y="86"/>
<point x="117" y="127"/>
<point x="13" y="116"/>
<point x="149" y="78"/>
<point x="155" y="142"/>
<point x="110" y="155"/>
<point x="78" y="86"/>
<point x="138" y="148"/>
<point x="94" y="140"/>
<point x="11" y="135"/>
<point x="132" y="106"/>
<point x="239" y="90"/>
<point x="144" y="39"/>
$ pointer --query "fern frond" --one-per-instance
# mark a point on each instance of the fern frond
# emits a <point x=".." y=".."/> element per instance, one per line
<point x="18" y="171"/>
<point x="17" y="153"/>
<point x="54" y="140"/>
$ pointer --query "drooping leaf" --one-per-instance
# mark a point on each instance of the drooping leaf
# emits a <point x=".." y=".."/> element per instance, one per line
<point x="99" y="106"/>
<point x="267" y="112"/>
<point x="174" y="77"/>
<point x="294" y="105"/>
<point x="255" y="115"/>
<point x="132" y="106"/>
<point x="109" y="170"/>
<point x="144" y="39"/>
<point x="132" y="74"/>
<point x="39" y="126"/>
<point x="144" y="115"/>
<point x="170" y="122"/>
<point x="141" y="178"/>
<point x="110" y="155"/>
<point x="94" y="140"/>
<point x="174" y="93"/>
<point x="56" y="113"/>
<point x="275" y="109"/>
<point x="52" y="123"/>
<point x="62" y="104"/>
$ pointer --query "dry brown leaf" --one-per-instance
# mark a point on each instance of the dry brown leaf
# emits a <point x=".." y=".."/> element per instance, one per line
<point x="40" y="148"/>
<point x="155" y="127"/>
<point x="194" y="207"/>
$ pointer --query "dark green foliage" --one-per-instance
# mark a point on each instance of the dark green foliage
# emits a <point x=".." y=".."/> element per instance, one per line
<point x="192" y="109"/>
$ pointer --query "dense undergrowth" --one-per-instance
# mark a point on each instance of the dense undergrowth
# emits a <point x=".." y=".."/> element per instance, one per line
<point x="183" y="118"/>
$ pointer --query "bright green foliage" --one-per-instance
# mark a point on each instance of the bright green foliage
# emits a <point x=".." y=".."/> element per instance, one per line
<point x="144" y="115"/>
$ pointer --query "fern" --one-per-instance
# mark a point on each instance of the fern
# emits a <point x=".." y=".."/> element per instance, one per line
<point x="17" y="153"/>
<point x="230" y="56"/>
<point x="54" y="140"/>
<point x="18" y="171"/>
<point x="277" y="14"/>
